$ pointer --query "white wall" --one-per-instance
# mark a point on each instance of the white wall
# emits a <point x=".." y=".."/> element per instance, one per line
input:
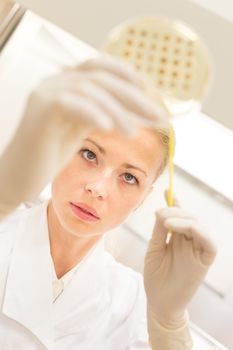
<point x="223" y="7"/>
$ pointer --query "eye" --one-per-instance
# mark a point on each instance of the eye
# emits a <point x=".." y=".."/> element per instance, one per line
<point x="88" y="155"/>
<point x="131" y="179"/>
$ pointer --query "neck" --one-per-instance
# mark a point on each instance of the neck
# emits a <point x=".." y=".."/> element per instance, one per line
<point x="67" y="250"/>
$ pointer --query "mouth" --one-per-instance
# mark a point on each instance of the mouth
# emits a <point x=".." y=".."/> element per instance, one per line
<point x="84" y="212"/>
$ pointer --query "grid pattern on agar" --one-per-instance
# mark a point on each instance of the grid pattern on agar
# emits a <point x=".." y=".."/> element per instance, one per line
<point x="168" y="57"/>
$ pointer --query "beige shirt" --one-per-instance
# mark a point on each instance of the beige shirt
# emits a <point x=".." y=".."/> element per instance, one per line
<point x="59" y="284"/>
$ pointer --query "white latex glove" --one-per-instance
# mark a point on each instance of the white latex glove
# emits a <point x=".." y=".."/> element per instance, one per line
<point x="101" y="93"/>
<point x="172" y="275"/>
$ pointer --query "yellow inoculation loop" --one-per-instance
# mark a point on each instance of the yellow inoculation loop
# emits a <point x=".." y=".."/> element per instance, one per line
<point x="171" y="168"/>
<point x="171" y="172"/>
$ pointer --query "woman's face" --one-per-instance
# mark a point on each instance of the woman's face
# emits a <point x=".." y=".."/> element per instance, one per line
<point x="110" y="175"/>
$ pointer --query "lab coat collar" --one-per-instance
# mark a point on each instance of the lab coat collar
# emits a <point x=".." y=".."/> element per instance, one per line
<point x="28" y="294"/>
<point x="88" y="278"/>
<point x="78" y="308"/>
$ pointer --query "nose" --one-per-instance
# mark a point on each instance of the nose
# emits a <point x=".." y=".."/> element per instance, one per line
<point x="98" y="188"/>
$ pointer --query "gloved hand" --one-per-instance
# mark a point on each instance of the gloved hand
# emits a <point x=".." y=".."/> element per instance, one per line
<point x="101" y="93"/>
<point x="172" y="275"/>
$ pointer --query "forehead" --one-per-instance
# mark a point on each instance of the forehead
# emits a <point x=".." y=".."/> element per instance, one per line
<point x="144" y="148"/>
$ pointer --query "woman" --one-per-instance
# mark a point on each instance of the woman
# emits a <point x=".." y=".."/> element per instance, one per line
<point x="59" y="288"/>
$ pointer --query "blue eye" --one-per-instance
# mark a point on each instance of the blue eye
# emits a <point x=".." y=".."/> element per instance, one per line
<point x="88" y="155"/>
<point x="131" y="179"/>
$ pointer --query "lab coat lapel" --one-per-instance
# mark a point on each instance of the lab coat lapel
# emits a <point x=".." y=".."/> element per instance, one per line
<point x="79" y="307"/>
<point x="28" y="294"/>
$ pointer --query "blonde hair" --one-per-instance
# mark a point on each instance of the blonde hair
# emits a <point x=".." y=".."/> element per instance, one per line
<point x="164" y="135"/>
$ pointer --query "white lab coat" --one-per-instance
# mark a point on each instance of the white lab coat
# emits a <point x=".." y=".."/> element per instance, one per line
<point x="103" y="308"/>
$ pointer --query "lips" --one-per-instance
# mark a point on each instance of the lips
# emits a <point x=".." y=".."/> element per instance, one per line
<point x="86" y="209"/>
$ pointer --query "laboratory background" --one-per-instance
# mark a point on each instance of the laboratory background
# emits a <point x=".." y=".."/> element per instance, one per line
<point x="40" y="37"/>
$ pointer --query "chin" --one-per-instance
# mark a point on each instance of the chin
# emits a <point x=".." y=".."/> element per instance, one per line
<point x="80" y="228"/>
<point x="86" y="234"/>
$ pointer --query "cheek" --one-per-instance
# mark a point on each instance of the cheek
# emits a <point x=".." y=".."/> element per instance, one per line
<point x="122" y="205"/>
<point x="136" y="200"/>
<point x="59" y="184"/>
<point x="65" y="182"/>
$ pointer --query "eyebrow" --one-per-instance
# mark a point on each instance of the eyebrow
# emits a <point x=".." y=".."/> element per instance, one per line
<point x="125" y="165"/>
<point x="101" y="149"/>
